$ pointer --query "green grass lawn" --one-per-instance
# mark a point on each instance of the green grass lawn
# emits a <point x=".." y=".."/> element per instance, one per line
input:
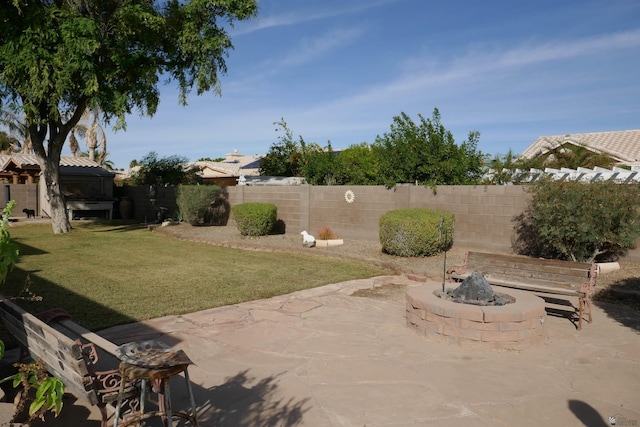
<point x="109" y="274"/>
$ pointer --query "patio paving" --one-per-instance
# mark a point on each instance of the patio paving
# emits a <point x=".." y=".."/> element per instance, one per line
<point x="324" y="357"/>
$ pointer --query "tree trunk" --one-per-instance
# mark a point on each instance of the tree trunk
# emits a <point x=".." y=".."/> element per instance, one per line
<point x="48" y="156"/>
<point x="58" y="208"/>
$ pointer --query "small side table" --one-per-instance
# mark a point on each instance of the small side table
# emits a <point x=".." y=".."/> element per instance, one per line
<point x="154" y="379"/>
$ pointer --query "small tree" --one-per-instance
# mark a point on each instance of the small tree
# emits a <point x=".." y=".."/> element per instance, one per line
<point x="171" y="170"/>
<point x="357" y="165"/>
<point x="579" y="221"/>
<point x="285" y="156"/>
<point x="319" y="165"/>
<point x="426" y="153"/>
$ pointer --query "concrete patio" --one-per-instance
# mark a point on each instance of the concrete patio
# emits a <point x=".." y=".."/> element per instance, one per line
<point x="324" y="357"/>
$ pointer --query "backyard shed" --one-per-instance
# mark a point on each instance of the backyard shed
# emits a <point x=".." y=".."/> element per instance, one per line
<point x="87" y="187"/>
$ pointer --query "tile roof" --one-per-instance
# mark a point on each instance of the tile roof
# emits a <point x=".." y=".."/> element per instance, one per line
<point x="25" y="160"/>
<point x="623" y="146"/>
<point x="240" y="164"/>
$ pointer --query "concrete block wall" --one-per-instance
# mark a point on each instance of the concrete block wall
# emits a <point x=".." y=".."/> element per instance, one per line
<point x="25" y="196"/>
<point x="483" y="214"/>
<point x="292" y="202"/>
<point x="144" y="209"/>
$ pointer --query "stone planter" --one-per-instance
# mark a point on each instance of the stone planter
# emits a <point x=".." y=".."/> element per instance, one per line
<point x="326" y="243"/>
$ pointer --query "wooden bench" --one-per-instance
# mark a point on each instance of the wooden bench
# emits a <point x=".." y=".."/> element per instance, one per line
<point x="543" y="276"/>
<point x="84" y="361"/>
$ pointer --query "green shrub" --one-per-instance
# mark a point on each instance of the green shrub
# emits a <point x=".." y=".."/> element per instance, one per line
<point x="596" y="221"/>
<point x="8" y="248"/>
<point x="255" y="219"/>
<point x="195" y="202"/>
<point x="416" y="232"/>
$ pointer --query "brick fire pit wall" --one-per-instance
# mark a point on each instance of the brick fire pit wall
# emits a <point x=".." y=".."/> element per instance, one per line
<point x="512" y="326"/>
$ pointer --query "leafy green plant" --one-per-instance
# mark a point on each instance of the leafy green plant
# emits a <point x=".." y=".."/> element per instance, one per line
<point x="195" y="202"/>
<point x="416" y="232"/>
<point x="255" y="219"/>
<point x="8" y="249"/>
<point x="48" y="390"/>
<point x="169" y="170"/>
<point x="579" y="221"/>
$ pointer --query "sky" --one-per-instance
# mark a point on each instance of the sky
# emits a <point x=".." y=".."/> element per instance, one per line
<point x="340" y="70"/>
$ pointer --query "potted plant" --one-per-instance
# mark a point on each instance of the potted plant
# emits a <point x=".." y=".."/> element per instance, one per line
<point x="326" y="237"/>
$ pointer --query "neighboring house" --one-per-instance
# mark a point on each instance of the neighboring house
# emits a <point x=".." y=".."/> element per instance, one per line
<point x="622" y="146"/>
<point x="228" y="171"/>
<point x="87" y="187"/>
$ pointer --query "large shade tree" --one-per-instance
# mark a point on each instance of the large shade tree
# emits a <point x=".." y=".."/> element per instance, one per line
<point x="426" y="153"/>
<point x="60" y="57"/>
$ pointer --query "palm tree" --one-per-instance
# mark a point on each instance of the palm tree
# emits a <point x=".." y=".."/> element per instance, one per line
<point x="90" y="129"/>
<point x="106" y="163"/>
<point x="18" y="131"/>
<point x="575" y="156"/>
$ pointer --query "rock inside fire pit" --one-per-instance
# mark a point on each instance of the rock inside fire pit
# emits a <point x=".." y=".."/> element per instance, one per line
<point x="476" y="290"/>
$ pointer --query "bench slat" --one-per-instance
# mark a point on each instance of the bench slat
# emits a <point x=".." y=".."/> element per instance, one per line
<point x="60" y="354"/>
<point x="532" y="267"/>
<point x="531" y="287"/>
<point x="539" y="261"/>
<point x="89" y="336"/>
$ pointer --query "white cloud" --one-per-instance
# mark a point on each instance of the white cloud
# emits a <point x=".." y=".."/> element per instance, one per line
<point x="326" y="11"/>
<point x="430" y="74"/>
<point x="309" y="49"/>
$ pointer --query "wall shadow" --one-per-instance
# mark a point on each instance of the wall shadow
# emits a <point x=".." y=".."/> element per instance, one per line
<point x="621" y="302"/>
<point x="625" y="316"/>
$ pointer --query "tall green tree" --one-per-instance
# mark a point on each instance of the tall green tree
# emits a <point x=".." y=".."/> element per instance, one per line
<point x="426" y="153"/>
<point x="357" y="165"/>
<point x="284" y="157"/>
<point x="320" y="165"/>
<point x="57" y="58"/>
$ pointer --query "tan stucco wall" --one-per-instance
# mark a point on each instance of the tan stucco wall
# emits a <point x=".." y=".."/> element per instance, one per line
<point x="483" y="214"/>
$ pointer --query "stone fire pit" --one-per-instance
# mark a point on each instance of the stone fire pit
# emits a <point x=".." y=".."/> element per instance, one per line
<point x="515" y="325"/>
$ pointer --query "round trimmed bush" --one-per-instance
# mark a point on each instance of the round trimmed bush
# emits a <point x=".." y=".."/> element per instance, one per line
<point x="255" y="219"/>
<point x="416" y="232"/>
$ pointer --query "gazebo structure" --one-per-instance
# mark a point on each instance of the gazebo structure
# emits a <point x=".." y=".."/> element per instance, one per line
<point x="87" y="187"/>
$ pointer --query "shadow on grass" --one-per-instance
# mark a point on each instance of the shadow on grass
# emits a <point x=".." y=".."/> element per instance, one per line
<point x="112" y="227"/>
<point x="239" y="401"/>
<point x="84" y="311"/>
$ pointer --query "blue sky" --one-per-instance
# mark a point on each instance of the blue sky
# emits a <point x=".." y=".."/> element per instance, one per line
<point x="340" y="70"/>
